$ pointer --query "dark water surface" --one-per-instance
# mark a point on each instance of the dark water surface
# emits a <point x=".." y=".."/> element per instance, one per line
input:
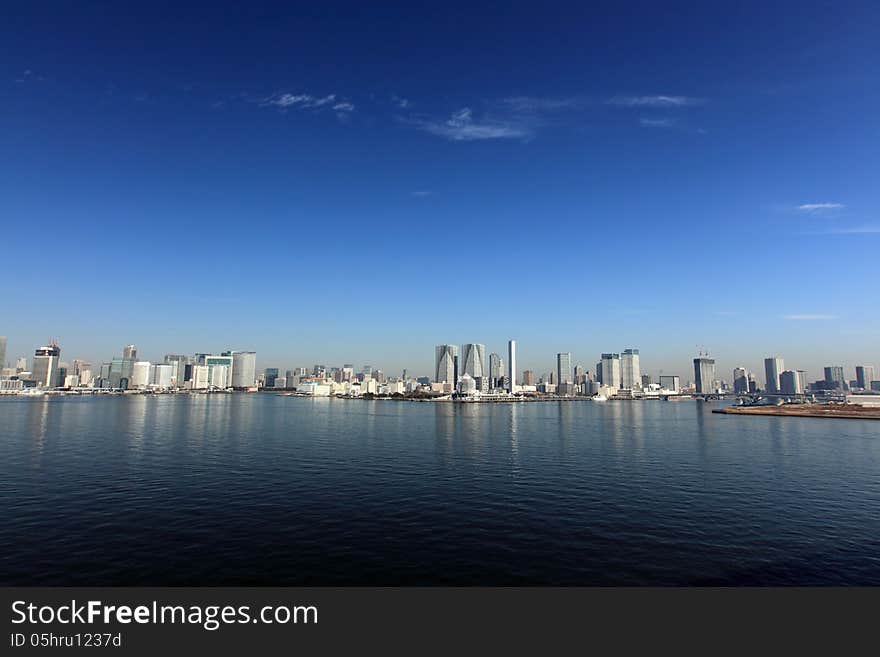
<point x="260" y="489"/>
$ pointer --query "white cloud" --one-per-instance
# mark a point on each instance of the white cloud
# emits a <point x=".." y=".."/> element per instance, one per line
<point x="531" y="104"/>
<point x="402" y="103"/>
<point x="307" y="101"/>
<point x="654" y="101"/>
<point x="461" y="126"/>
<point x="819" y="207"/>
<point x="808" y="317"/>
<point x="656" y="123"/>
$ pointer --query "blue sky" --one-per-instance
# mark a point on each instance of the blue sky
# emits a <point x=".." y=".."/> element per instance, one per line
<point x="341" y="184"/>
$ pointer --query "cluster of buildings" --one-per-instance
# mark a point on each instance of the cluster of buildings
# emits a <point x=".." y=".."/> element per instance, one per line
<point x="465" y="372"/>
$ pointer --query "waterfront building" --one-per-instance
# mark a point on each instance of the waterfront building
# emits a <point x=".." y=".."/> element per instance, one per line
<point x="611" y="370"/>
<point x="163" y="375"/>
<point x="864" y="376"/>
<point x="511" y="364"/>
<point x="670" y="382"/>
<point x="563" y="368"/>
<point x="704" y="374"/>
<point x="243" y="368"/>
<point x="198" y="379"/>
<point x="472" y="361"/>
<point x="790" y="383"/>
<point x="834" y="378"/>
<point x="46" y="364"/>
<point x="741" y="381"/>
<point x="269" y="376"/>
<point x="646" y="380"/>
<point x="130" y="351"/>
<point x="496" y="370"/>
<point x="630" y="369"/>
<point x="21" y="364"/>
<point x="140" y="374"/>
<point x="528" y="378"/>
<point x="178" y="368"/>
<point x="445" y="356"/>
<point x="226" y="362"/>
<point x="773" y="368"/>
<point x="753" y="383"/>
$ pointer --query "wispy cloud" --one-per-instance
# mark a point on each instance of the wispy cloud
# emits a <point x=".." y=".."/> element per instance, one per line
<point x="461" y="126"/>
<point x="808" y="317"/>
<point x="533" y="104"/>
<point x="820" y="207"/>
<point x="656" y="123"/>
<point x="307" y="101"/>
<point x="402" y="103"/>
<point x="654" y="101"/>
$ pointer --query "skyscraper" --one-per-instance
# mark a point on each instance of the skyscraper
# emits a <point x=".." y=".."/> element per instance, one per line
<point x="496" y="369"/>
<point x="244" y="368"/>
<point x="630" y="370"/>
<point x="704" y="374"/>
<point x="269" y="376"/>
<point x="790" y="383"/>
<point x="611" y="370"/>
<point x="45" y="369"/>
<point x="528" y="378"/>
<point x="864" y="374"/>
<point x="444" y="363"/>
<point x="130" y="351"/>
<point x="511" y="364"/>
<point x="834" y="378"/>
<point x="2" y="351"/>
<point x="773" y="368"/>
<point x="473" y="359"/>
<point x="563" y="368"/>
<point x="741" y="381"/>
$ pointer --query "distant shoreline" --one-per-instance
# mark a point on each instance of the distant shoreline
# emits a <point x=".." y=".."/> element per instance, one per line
<point x="839" y="411"/>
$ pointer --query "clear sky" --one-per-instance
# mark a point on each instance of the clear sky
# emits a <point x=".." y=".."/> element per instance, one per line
<point x="338" y="183"/>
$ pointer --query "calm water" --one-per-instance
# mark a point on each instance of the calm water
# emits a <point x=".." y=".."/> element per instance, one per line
<point x="259" y="489"/>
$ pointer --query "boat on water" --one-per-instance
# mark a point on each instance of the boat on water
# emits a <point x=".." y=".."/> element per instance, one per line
<point x="599" y="398"/>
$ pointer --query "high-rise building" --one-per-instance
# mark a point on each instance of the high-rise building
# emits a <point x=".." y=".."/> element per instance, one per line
<point x="444" y="363"/>
<point x="704" y="374"/>
<point x="226" y="362"/>
<point x="46" y="363"/>
<point x="864" y="375"/>
<point x="140" y="374"/>
<point x="163" y="375"/>
<point x="178" y="368"/>
<point x="511" y="364"/>
<point x="834" y="378"/>
<point x="269" y="376"/>
<point x="563" y="368"/>
<point x="630" y="370"/>
<point x="741" y="381"/>
<point x="773" y="368"/>
<point x="496" y="370"/>
<point x="611" y="370"/>
<point x="528" y="377"/>
<point x="790" y="383"/>
<point x="244" y="368"/>
<point x="473" y="359"/>
<point x="2" y="351"/>
<point x="130" y="351"/>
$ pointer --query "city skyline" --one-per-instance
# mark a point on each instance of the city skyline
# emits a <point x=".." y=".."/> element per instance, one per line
<point x="309" y="198"/>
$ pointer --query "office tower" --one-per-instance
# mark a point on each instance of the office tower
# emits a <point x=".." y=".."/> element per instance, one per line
<point x="46" y="363"/>
<point x="130" y="351"/>
<point x="790" y="383"/>
<point x="834" y="378"/>
<point x="599" y="372"/>
<point x="244" y="368"/>
<point x="646" y="380"/>
<point x="140" y="374"/>
<point x="511" y="364"/>
<point x="163" y="375"/>
<point x="563" y="368"/>
<point x="21" y="364"/>
<point x="528" y="378"/>
<point x="579" y="374"/>
<point x="347" y="372"/>
<point x="864" y="376"/>
<point x="367" y="372"/>
<point x="704" y="374"/>
<point x="611" y="370"/>
<point x="741" y="381"/>
<point x="670" y="382"/>
<point x="226" y="362"/>
<point x="444" y="363"/>
<point x="269" y="376"/>
<point x="198" y="377"/>
<point x="496" y="370"/>
<point x="473" y="359"/>
<point x="772" y="369"/>
<point x="630" y="370"/>
<point x="2" y="351"/>
<point x="178" y="368"/>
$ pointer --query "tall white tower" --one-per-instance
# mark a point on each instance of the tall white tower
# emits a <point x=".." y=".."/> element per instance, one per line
<point x="511" y="364"/>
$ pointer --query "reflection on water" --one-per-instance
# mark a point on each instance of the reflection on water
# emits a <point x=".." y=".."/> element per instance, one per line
<point x="264" y="489"/>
